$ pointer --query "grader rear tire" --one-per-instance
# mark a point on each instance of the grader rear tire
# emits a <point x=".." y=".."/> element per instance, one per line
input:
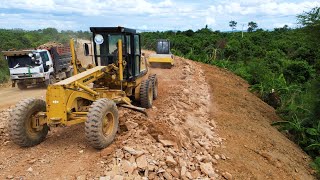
<point x="20" y="123"/>
<point x="146" y="94"/>
<point x="102" y="123"/>
<point x="154" y="81"/>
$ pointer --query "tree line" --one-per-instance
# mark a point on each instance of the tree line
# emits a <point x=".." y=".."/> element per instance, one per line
<point x="281" y="65"/>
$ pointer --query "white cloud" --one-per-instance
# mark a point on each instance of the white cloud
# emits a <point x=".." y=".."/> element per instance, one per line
<point x="262" y="7"/>
<point x="265" y="12"/>
<point x="280" y="25"/>
<point x="90" y="7"/>
<point x="210" y="21"/>
<point x="153" y="14"/>
<point x="35" y="21"/>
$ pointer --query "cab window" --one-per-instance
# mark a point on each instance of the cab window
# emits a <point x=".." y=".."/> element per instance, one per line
<point x="44" y="56"/>
<point x="137" y="58"/>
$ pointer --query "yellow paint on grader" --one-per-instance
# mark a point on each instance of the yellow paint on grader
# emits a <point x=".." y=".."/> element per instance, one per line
<point x="119" y="77"/>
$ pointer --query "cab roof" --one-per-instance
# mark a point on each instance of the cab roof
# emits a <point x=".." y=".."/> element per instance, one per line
<point x="17" y="53"/>
<point x="118" y="29"/>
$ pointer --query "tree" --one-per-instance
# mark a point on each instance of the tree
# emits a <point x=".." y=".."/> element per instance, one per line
<point x="311" y="18"/>
<point x="252" y="26"/>
<point x="233" y="25"/>
<point x="311" y="21"/>
<point x="189" y="33"/>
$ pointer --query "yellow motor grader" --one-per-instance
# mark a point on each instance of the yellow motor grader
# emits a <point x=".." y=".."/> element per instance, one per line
<point x="119" y="77"/>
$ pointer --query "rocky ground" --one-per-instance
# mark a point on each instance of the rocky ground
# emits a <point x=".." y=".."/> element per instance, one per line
<point x="190" y="133"/>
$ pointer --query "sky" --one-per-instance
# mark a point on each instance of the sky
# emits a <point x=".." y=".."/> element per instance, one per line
<point x="151" y="15"/>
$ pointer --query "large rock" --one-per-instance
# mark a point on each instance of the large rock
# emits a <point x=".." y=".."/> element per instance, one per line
<point x="131" y="125"/>
<point x="195" y="174"/>
<point x="167" y="176"/>
<point x="128" y="166"/>
<point x="142" y="162"/>
<point x="118" y="177"/>
<point x="105" y="178"/>
<point x="167" y="143"/>
<point x="183" y="171"/>
<point x="133" y="151"/>
<point x="227" y="175"/>
<point x="217" y="156"/>
<point x="82" y="177"/>
<point x="10" y="177"/>
<point x="107" y="151"/>
<point x="170" y="161"/>
<point x="207" y="169"/>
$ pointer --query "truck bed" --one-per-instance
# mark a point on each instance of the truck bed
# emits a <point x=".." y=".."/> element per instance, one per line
<point x="61" y="57"/>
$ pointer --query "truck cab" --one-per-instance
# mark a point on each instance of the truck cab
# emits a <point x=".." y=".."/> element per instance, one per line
<point x="29" y="67"/>
<point x="45" y="65"/>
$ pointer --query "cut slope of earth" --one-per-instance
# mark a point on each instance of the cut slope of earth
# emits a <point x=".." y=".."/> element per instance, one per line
<point x="204" y="124"/>
<point x="256" y="149"/>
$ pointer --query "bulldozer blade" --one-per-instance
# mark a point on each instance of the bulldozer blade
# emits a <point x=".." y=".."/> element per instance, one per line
<point x="139" y="109"/>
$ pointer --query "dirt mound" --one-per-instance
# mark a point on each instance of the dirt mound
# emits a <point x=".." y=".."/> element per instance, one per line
<point x="50" y="45"/>
<point x="256" y="149"/>
<point x="204" y="124"/>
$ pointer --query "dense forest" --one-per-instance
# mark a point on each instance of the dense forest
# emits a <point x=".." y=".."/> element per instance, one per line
<point x="21" y="39"/>
<point x="282" y="66"/>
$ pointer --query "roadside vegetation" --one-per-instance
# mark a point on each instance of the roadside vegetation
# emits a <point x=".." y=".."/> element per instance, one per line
<point x="21" y="39"/>
<point x="282" y="67"/>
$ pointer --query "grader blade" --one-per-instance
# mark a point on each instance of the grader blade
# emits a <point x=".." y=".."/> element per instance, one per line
<point x="135" y="108"/>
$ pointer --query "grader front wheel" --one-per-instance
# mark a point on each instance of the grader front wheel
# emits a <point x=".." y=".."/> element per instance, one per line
<point x="102" y="123"/>
<point x="20" y="126"/>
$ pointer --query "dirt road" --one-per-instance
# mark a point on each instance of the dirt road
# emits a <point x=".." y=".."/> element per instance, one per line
<point x="205" y="124"/>
<point x="10" y="96"/>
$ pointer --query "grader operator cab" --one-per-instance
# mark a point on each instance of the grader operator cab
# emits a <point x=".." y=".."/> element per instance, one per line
<point x="119" y="77"/>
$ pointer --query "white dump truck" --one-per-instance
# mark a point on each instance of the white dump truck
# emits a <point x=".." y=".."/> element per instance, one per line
<point x="44" y="65"/>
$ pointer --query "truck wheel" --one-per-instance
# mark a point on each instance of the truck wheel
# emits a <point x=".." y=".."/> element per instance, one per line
<point x="153" y="78"/>
<point x="146" y="93"/>
<point x="20" y="127"/>
<point x="22" y="86"/>
<point x="102" y="123"/>
<point x="52" y="79"/>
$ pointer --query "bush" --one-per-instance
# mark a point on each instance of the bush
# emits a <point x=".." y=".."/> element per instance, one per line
<point x="298" y="71"/>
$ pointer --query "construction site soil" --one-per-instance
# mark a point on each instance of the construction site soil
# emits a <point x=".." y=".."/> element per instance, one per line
<point x="205" y="124"/>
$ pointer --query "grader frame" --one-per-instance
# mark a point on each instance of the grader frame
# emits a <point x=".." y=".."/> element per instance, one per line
<point x="90" y="96"/>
